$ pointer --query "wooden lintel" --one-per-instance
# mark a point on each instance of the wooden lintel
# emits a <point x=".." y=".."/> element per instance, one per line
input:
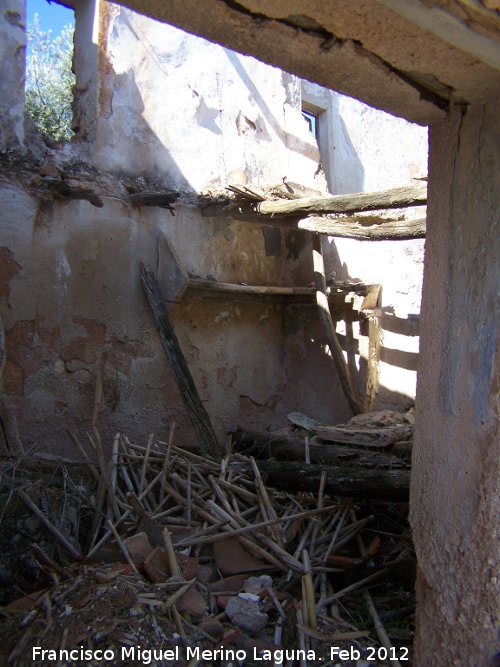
<point x="276" y="290"/>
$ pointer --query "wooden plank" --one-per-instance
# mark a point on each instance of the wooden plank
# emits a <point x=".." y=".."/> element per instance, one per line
<point x="177" y="362"/>
<point x="329" y="328"/>
<point x="277" y="290"/>
<point x="373" y="361"/>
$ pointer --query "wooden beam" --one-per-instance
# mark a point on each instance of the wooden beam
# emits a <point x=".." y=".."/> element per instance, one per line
<point x="177" y="362"/>
<point x="287" y="448"/>
<point x="356" y="228"/>
<point x="329" y="328"/>
<point x="368" y="437"/>
<point x="351" y="203"/>
<point x="339" y="480"/>
<point x="271" y="290"/>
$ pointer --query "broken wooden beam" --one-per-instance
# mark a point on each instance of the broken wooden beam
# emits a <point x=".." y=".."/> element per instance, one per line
<point x="368" y="437"/>
<point x="349" y="203"/>
<point x="177" y="362"/>
<point x="329" y="328"/>
<point x="393" y="485"/>
<point x="287" y="448"/>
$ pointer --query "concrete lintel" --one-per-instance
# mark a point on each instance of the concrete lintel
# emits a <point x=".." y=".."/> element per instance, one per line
<point x="449" y="28"/>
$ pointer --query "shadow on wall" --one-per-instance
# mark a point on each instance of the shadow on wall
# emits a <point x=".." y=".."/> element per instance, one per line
<point x="297" y="144"/>
<point x="131" y="138"/>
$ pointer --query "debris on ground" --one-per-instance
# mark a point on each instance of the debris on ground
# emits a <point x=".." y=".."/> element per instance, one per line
<point x="162" y="549"/>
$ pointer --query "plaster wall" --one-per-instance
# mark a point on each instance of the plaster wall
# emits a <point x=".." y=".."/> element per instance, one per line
<point x="72" y="305"/>
<point x="71" y="299"/>
<point x="12" y="64"/>
<point x="456" y="461"/>
<point x="195" y="112"/>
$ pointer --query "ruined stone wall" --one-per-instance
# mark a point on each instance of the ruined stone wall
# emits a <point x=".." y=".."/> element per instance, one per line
<point x="193" y="111"/>
<point x="150" y="115"/>
<point x="71" y="298"/>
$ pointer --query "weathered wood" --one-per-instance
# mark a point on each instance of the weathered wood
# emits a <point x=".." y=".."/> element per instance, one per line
<point x="278" y="290"/>
<point x="356" y="228"/>
<point x="287" y="448"/>
<point x="329" y="328"/>
<point x="372" y="323"/>
<point x="368" y="437"/>
<point x="189" y="393"/>
<point x="291" y="190"/>
<point x="159" y="199"/>
<point x="340" y="481"/>
<point x="351" y="203"/>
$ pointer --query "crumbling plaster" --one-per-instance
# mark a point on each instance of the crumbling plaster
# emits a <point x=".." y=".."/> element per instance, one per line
<point x="364" y="50"/>
<point x="167" y="115"/>
<point x="12" y="55"/>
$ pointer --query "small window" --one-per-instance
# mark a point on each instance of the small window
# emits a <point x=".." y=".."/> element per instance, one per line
<point x="312" y="121"/>
<point x="49" y="76"/>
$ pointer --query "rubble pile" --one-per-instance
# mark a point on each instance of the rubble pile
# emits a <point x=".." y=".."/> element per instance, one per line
<point x="180" y="554"/>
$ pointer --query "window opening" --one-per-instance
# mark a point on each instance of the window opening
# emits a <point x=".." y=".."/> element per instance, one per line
<point x="312" y="121"/>
<point x="49" y="76"/>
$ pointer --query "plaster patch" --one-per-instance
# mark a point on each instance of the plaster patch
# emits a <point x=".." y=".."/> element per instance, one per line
<point x="59" y="366"/>
<point x="63" y="269"/>
<point x="224" y="317"/>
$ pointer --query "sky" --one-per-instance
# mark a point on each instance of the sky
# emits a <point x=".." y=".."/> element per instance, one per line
<point x="52" y="16"/>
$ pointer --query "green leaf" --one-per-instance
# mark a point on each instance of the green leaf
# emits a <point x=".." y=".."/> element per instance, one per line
<point x="50" y="80"/>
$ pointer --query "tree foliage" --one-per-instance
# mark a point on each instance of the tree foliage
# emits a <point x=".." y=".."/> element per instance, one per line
<point x="50" y="80"/>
